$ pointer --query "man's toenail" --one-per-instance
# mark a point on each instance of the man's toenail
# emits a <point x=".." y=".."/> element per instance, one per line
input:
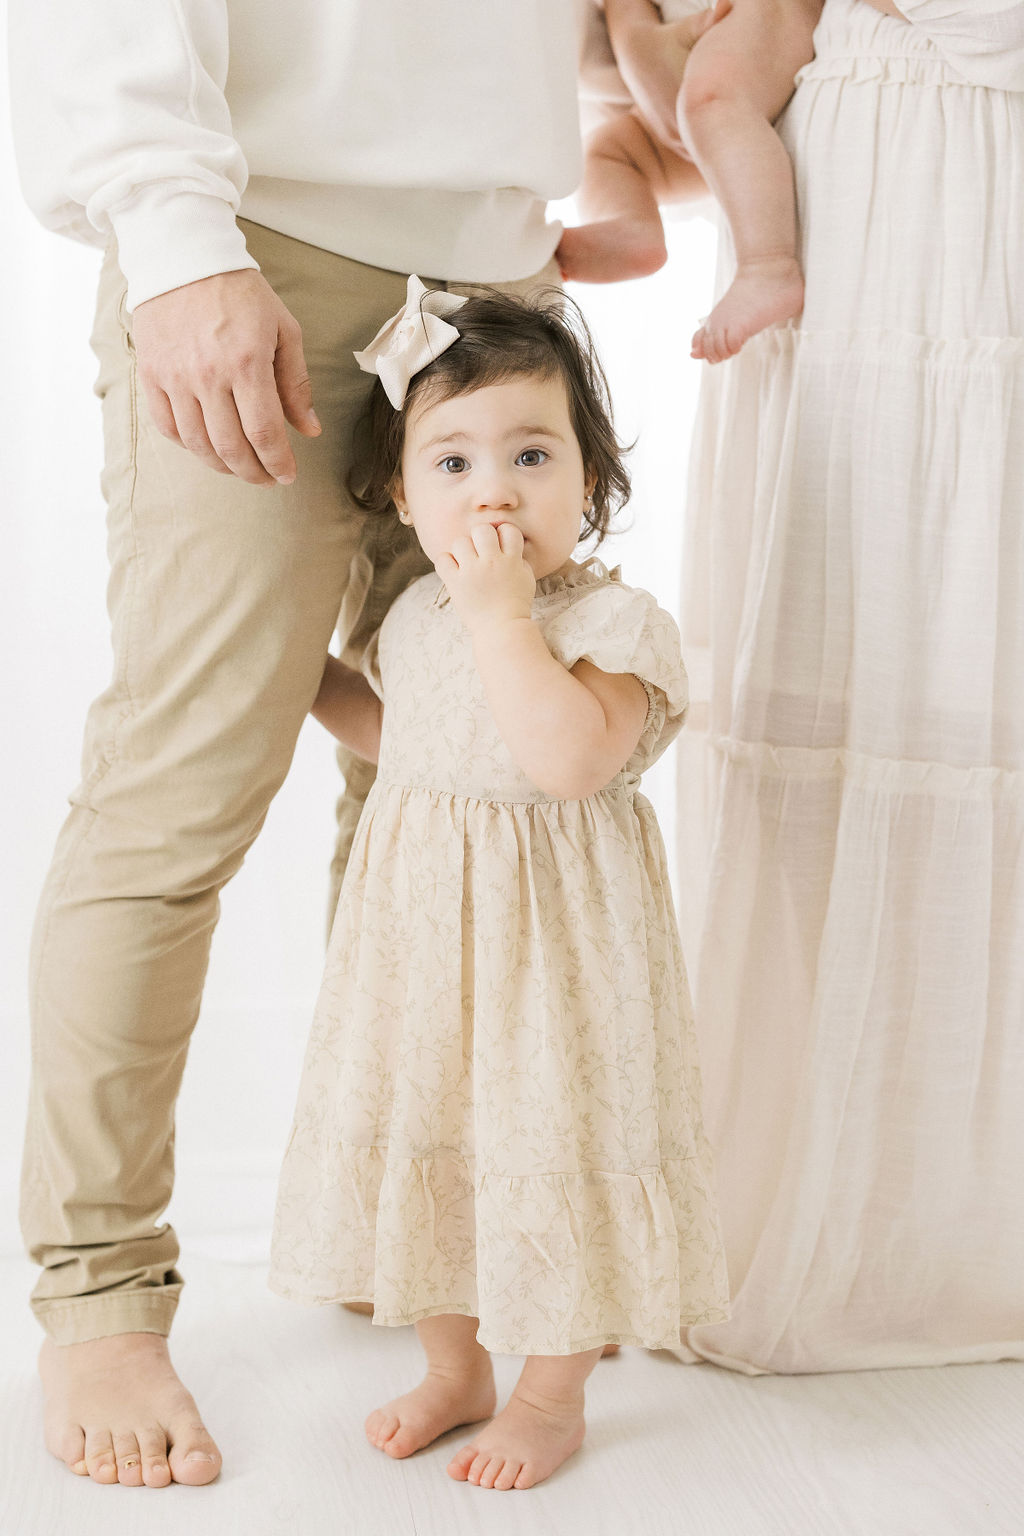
<point x="198" y="1456"/>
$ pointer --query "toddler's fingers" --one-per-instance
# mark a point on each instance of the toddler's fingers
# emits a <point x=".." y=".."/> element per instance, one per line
<point x="446" y="565"/>
<point x="510" y="539"/>
<point x="462" y="550"/>
<point x="485" y="539"/>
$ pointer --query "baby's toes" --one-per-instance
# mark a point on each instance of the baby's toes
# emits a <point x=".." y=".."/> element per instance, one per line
<point x="491" y="1472"/>
<point x="380" y="1426"/>
<point x="507" y="1476"/>
<point x="460" y="1463"/>
<point x="481" y="1461"/>
<point x="401" y="1442"/>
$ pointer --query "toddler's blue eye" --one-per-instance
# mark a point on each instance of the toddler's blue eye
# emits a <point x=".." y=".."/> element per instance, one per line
<point x="453" y="464"/>
<point x="531" y="457"/>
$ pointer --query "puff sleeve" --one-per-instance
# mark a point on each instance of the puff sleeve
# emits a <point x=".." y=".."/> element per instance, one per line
<point x="622" y="629"/>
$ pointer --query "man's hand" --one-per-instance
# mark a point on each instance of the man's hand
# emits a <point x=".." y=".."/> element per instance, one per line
<point x="652" y="54"/>
<point x="222" y="365"/>
<point x="487" y="578"/>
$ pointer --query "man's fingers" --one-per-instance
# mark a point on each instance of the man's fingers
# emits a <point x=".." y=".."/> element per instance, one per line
<point x="230" y="440"/>
<point x="293" y="386"/>
<point x="259" y="410"/>
<point x="191" y="431"/>
<point x="162" y="412"/>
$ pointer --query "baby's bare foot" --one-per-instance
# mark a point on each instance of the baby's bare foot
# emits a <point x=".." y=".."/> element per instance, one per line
<point x="530" y="1437"/>
<point x="117" y="1412"/>
<point x="440" y="1402"/>
<point x="611" y="251"/>
<point x="762" y="293"/>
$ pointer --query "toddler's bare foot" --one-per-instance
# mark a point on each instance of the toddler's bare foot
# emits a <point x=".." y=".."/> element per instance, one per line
<point x="442" y="1400"/>
<point x="531" y="1436"/>
<point x="762" y="293"/>
<point x="117" y="1412"/>
<point x="611" y="251"/>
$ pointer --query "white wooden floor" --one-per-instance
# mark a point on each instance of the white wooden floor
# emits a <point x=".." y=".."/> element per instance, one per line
<point x="671" y="1449"/>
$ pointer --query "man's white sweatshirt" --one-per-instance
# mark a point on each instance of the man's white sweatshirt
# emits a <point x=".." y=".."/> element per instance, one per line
<point x="417" y="136"/>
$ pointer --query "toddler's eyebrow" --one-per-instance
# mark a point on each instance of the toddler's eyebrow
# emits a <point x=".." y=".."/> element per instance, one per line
<point x="526" y="430"/>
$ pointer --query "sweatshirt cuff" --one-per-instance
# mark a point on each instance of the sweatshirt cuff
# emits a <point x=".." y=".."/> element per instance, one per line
<point x="167" y="238"/>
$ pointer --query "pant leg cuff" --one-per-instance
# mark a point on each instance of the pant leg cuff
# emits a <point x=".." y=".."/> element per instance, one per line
<point x="99" y="1317"/>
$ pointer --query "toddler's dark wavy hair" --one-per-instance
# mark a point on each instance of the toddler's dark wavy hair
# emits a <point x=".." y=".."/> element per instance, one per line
<point x="503" y="337"/>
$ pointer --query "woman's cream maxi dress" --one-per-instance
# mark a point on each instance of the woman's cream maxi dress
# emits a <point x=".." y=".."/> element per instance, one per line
<point x="853" y="872"/>
<point x="500" y="1108"/>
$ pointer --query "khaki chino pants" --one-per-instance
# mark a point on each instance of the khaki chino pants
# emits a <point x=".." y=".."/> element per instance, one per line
<point x="223" y="598"/>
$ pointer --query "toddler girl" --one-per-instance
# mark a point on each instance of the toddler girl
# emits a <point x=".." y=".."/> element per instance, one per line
<point x="498" y="1134"/>
<point x="721" y="98"/>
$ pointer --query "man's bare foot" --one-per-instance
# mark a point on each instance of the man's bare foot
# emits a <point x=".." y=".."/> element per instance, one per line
<point x="611" y="251"/>
<point x="530" y="1437"/>
<point x="117" y="1412"/>
<point x="442" y="1400"/>
<point x="762" y="293"/>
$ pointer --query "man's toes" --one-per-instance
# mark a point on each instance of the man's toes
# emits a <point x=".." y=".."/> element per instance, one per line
<point x="99" y="1456"/>
<point x="153" y="1446"/>
<point x="193" y="1458"/>
<point x="461" y="1462"/>
<point x="129" y="1460"/>
<point x="507" y="1476"/>
<point x="69" y="1447"/>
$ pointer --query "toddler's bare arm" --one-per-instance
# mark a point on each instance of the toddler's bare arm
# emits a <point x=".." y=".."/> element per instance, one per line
<point x="349" y="708"/>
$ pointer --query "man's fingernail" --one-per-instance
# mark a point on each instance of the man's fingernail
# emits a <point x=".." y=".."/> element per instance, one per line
<point x="285" y="479"/>
<point x="314" y="420"/>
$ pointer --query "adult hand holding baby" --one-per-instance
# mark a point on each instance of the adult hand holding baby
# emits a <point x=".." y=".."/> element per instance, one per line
<point x="487" y="577"/>
<point x="223" y="369"/>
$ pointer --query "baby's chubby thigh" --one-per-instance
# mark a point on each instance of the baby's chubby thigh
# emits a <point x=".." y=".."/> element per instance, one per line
<point x="750" y="57"/>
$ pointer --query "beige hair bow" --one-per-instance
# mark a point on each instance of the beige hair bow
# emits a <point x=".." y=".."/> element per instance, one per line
<point x="411" y="339"/>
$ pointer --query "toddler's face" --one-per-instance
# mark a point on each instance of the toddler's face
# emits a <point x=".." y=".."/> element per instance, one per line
<point x="506" y="453"/>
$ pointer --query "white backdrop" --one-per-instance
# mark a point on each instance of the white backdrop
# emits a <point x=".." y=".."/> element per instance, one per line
<point x="236" y="1103"/>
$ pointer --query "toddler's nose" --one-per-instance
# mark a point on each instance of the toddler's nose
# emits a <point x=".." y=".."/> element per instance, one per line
<point x="497" y="494"/>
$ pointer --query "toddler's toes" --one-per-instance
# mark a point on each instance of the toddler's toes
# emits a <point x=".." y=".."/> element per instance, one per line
<point x="480" y="1464"/>
<point x="460" y="1464"/>
<point x="507" y="1476"/>
<point x="380" y="1426"/>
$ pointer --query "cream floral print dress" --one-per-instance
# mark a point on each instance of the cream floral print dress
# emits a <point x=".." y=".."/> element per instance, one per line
<point x="499" y="1112"/>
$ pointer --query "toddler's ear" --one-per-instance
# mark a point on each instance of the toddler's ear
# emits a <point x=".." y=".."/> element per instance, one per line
<point x="401" y="507"/>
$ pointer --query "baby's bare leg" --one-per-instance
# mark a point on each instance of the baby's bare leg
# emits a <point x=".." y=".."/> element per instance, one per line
<point x="539" y="1428"/>
<point x="738" y="79"/>
<point x="626" y="175"/>
<point x="458" y="1388"/>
